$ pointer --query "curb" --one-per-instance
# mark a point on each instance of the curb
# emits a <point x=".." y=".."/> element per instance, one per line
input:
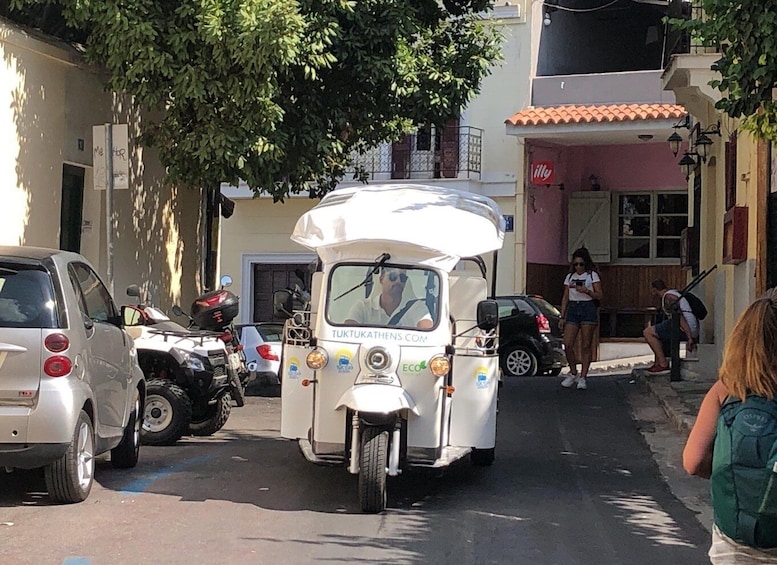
<point x="676" y="410"/>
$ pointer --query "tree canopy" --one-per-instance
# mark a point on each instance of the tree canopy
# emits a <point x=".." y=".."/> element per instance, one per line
<point x="746" y="31"/>
<point x="279" y="93"/>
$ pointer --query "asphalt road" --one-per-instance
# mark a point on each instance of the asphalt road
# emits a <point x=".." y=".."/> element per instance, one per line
<point x="574" y="483"/>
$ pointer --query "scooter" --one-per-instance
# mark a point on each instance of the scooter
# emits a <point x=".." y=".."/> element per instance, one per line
<point x="392" y="364"/>
<point x="214" y="311"/>
<point x="186" y="371"/>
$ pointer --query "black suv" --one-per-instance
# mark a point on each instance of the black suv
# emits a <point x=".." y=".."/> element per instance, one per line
<point x="530" y="340"/>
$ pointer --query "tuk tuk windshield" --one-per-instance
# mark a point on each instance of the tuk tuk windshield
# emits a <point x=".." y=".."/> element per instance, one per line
<point x="391" y="296"/>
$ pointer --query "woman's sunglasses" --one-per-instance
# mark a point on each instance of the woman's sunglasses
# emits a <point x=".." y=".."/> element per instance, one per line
<point x="578" y="264"/>
<point x="393" y="276"/>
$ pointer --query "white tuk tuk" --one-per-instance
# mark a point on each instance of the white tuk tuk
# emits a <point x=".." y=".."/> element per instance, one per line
<point x="391" y="361"/>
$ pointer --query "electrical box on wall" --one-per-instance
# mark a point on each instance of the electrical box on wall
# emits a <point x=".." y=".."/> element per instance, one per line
<point x="735" y="235"/>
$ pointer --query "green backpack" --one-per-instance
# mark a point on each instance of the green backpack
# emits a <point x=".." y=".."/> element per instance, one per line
<point x="744" y="471"/>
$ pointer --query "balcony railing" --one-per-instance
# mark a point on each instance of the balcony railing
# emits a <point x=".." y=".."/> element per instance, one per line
<point x="685" y="43"/>
<point x="451" y="152"/>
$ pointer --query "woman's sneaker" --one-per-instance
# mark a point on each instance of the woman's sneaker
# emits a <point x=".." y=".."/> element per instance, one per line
<point x="581" y="384"/>
<point x="569" y="381"/>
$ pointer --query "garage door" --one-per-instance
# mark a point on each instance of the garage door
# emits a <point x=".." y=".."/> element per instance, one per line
<point x="269" y="277"/>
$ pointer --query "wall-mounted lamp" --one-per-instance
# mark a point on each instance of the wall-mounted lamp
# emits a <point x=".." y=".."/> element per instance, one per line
<point x="688" y="163"/>
<point x="546" y="19"/>
<point x="594" y="183"/>
<point x="702" y="145"/>
<point x="674" y="142"/>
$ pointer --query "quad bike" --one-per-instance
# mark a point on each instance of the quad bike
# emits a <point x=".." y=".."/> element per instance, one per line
<point x="214" y="311"/>
<point x="188" y="388"/>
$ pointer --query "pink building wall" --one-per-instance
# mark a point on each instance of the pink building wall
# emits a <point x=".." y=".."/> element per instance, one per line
<point x="620" y="168"/>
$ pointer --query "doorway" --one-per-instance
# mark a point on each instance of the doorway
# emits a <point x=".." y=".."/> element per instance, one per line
<point x="71" y="210"/>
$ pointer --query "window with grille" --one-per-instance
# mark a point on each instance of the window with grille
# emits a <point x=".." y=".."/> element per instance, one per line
<point x="649" y="225"/>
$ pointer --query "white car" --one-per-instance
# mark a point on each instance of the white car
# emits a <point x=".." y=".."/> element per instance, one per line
<point x="71" y="385"/>
<point x="262" y="347"/>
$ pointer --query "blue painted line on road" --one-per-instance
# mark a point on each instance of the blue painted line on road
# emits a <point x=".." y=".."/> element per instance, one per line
<point x="76" y="561"/>
<point x="142" y="484"/>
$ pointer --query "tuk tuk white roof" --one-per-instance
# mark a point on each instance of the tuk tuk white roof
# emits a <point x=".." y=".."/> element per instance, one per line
<point x="432" y="225"/>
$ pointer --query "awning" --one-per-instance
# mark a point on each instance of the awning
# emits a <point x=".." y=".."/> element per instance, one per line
<point x="596" y="123"/>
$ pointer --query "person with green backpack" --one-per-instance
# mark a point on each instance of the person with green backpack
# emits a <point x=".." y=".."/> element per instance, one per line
<point x="734" y="441"/>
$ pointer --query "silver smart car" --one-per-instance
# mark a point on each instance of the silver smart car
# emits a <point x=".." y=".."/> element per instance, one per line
<point x="70" y="385"/>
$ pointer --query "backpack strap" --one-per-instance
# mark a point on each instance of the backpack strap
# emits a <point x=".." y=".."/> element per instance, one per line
<point x="398" y="316"/>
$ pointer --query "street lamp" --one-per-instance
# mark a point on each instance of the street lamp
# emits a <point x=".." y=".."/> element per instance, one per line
<point x="674" y="142"/>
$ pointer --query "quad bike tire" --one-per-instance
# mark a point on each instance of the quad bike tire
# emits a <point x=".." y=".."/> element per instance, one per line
<point x="214" y="418"/>
<point x="69" y="479"/>
<point x="167" y="413"/>
<point x="125" y="455"/>
<point x="372" y="469"/>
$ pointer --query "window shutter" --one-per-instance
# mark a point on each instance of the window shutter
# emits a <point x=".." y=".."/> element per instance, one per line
<point x="731" y="171"/>
<point x="589" y="224"/>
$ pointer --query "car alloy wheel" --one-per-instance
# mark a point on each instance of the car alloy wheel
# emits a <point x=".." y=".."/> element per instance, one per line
<point x="520" y="362"/>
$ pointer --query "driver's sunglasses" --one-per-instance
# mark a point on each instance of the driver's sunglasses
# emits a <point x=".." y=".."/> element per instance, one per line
<point x="578" y="264"/>
<point x="393" y="276"/>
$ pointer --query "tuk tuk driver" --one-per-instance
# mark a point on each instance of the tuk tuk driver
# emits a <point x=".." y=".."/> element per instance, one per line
<point x="387" y="308"/>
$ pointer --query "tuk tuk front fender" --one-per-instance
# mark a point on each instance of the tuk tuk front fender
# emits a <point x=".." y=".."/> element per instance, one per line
<point x="376" y="398"/>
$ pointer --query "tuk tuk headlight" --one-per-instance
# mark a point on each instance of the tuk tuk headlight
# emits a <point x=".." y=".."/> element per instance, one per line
<point x="439" y="365"/>
<point x="317" y="359"/>
<point x="378" y="359"/>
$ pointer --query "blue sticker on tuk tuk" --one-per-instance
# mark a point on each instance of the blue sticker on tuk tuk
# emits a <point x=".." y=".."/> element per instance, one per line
<point x="344" y="364"/>
<point x="294" y="370"/>
<point x="481" y="377"/>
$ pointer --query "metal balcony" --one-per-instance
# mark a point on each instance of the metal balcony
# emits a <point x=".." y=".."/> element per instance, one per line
<point x="445" y="153"/>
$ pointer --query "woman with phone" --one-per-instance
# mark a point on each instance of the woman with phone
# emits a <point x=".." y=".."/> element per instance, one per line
<point x="580" y="315"/>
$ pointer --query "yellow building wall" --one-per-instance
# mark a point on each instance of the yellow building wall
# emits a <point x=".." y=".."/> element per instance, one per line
<point x="49" y="101"/>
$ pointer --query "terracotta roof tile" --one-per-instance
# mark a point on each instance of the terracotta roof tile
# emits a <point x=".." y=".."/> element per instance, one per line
<point x="571" y="114"/>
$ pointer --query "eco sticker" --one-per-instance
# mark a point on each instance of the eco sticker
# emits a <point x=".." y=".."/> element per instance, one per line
<point x="344" y="364"/>
<point x="481" y="377"/>
<point x="294" y="370"/>
<point x="413" y="367"/>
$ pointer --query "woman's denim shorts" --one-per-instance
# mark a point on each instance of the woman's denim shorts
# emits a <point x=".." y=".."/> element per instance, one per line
<point x="581" y="313"/>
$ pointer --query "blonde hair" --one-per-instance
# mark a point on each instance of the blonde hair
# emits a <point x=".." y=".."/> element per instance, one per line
<point x="749" y="364"/>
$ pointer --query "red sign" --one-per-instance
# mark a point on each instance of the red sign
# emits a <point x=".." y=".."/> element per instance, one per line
<point x="542" y="172"/>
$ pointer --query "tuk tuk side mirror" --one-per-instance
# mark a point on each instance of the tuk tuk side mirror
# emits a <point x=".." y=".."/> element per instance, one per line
<point x="488" y="315"/>
<point x="131" y="316"/>
<point x="283" y="303"/>
<point x="177" y="310"/>
<point x="133" y="290"/>
<point x="226" y="281"/>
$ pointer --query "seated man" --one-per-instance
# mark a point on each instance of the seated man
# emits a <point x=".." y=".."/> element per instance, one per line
<point x="387" y="308"/>
<point x="659" y="336"/>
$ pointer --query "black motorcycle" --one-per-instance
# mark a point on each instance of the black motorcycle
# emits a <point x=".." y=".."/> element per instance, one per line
<point x="214" y="311"/>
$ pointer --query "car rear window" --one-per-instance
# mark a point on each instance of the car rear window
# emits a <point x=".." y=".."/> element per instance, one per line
<point x="271" y="333"/>
<point x="545" y="307"/>
<point x="26" y="298"/>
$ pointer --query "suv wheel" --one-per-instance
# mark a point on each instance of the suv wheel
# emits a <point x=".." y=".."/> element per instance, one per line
<point x="519" y="362"/>
<point x="70" y="478"/>
<point x="167" y="413"/>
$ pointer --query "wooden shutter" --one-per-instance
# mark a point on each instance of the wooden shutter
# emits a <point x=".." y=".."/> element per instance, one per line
<point x="450" y="150"/>
<point x="731" y="171"/>
<point x="400" y="158"/>
<point x="589" y="224"/>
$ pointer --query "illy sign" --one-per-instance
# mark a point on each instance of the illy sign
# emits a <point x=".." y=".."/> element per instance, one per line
<point x="542" y="172"/>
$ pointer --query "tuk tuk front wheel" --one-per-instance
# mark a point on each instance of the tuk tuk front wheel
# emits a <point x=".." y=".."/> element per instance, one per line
<point x="372" y="469"/>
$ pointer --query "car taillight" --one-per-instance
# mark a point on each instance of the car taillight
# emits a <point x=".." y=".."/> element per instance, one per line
<point x="57" y="366"/>
<point x="542" y="324"/>
<point x="56" y="343"/>
<point x="265" y="352"/>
